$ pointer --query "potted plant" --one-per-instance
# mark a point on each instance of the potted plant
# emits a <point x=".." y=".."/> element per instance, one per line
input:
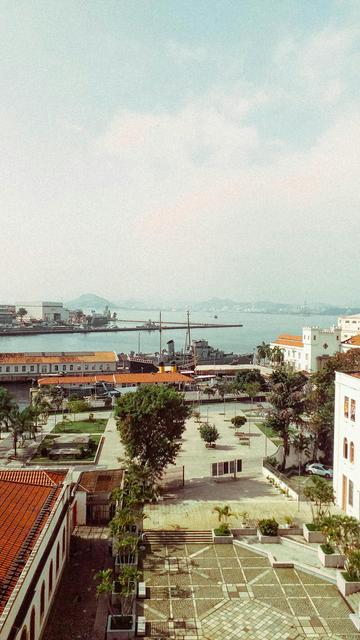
<point x="348" y="581"/>
<point x="321" y="495"/>
<point x="222" y="533"/>
<point x="268" y="530"/>
<point x="127" y="554"/>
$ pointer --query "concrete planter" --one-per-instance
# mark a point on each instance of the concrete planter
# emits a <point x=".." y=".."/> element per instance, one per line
<point x="120" y="627"/>
<point x="346" y="588"/>
<point x="244" y="531"/>
<point x="222" y="539"/>
<point x="125" y="560"/>
<point x="313" y="536"/>
<point x="333" y="560"/>
<point x="267" y="539"/>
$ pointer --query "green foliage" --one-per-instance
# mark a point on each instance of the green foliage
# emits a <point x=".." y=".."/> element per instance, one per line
<point x="263" y="351"/>
<point x="327" y="548"/>
<point x="288" y="403"/>
<point x="247" y="376"/>
<point x="151" y="421"/>
<point x="224" y="513"/>
<point x="209" y="433"/>
<point x="238" y="421"/>
<point x="288" y="520"/>
<point x="352" y="566"/>
<point x="342" y="531"/>
<point x="209" y="391"/>
<point x="222" y="530"/>
<point x="268" y="527"/>
<point x="321" y="495"/>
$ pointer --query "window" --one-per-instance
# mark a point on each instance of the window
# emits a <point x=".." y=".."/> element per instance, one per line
<point x="32" y="368"/>
<point x="64" y="367"/>
<point x="7" y="369"/>
<point x="346" y="407"/>
<point x="63" y="542"/>
<point x="42" y="601"/>
<point x="23" y="368"/>
<point x="0" y="368"/>
<point x="86" y="367"/>
<point x="71" y="367"/>
<point x="345" y="449"/>
<point x="352" y="452"/>
<point x="353" y="410"/>
<point x="351" y="493"/>
<point x="16" y="368"/>
<point x="314" y="337"/>
<point x="50" y="578"/>
<point x="56" y="367"/>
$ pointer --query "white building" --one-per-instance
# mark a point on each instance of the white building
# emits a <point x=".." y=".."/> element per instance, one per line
<point x="306" y="352"/>
<point x="347" y="443"/>
<point x="46" y="311"/>
<point x="349" y="325"/>
<point x="35" y="527"/>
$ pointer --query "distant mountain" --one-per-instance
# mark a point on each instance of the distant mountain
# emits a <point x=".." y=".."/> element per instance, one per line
<point x="89" y="301"/>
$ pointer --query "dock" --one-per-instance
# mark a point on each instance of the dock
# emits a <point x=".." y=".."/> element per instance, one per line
<point x="34" y="331"/>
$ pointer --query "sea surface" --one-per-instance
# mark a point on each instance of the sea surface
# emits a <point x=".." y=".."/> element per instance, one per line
<point x="256" y="328"/>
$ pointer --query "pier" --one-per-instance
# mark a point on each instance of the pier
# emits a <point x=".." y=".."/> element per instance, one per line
<point x="154" y="326"/>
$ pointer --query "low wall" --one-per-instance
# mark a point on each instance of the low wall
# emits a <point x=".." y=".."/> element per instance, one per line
<point x="280" y="481"/>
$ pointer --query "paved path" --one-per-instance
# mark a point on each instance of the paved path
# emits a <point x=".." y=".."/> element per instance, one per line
<point x="112" y="449"/>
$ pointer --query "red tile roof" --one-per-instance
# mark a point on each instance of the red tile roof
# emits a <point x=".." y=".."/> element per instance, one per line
<point x="23" y="495"/>
<point x="287" y="340"/>
<point x="354" y="340"/>
<point x="119" y="378"/>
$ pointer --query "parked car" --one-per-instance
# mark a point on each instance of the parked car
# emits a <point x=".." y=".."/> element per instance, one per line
<point x="318" y="469"/>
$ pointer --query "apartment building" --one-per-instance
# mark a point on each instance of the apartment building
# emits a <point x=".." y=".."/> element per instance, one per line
<point x="349" y="325"/>
<point x="17" y="366"/>
<point x="35" y="528"/>
<point x="346" y="480"/>
<point x="306" y="352"/>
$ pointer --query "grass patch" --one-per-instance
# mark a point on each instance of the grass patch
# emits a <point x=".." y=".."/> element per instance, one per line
<point x="48" y="442"/>
<point x="269" y="433"/>
<point x="80" y="426"/>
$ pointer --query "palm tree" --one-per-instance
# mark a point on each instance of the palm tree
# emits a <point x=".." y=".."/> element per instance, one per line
<point x="277" y="355"/>
<point x="17" y="426"/>
<point x="224" y="513"/>
<point x="21" y="313"/>
<point x="263" y="351"/>
<point x="56" y="398"/>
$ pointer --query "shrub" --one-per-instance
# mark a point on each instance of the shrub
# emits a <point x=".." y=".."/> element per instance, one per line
<point x="327" y="548"/>
<point x="352" y="566"/>
<point x="268" y="527"/>
<point x="238" y="421"/>
<point x="289" y="520"/>
<point x="222" y="530"/>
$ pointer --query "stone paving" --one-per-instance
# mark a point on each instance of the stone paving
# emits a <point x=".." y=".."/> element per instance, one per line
<point x="218" y="592"/>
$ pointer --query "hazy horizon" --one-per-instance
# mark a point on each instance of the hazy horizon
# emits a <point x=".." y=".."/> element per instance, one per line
<point x="180" y="150"/>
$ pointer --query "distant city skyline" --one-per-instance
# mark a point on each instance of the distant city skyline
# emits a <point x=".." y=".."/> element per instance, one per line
<point x="180" y="150"/>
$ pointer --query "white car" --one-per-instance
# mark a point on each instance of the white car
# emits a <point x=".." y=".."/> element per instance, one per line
<point x="318" y="469"/>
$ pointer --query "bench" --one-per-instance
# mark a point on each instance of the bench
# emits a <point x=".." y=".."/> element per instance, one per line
<point x="141" y="626"/>
<point x="141" y="590"/>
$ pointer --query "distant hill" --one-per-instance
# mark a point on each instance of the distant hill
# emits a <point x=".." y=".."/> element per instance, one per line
<point x="89" y="301"/>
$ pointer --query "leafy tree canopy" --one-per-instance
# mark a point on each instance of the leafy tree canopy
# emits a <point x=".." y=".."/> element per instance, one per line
<point x="151" y="421"/>
<point x="247" y="376"/>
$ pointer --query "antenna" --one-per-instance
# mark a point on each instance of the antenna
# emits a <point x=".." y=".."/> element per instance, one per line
<point x="160" y="334"/>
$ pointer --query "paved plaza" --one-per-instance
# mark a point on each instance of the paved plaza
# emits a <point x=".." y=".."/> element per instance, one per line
<point x="218" y="592"/>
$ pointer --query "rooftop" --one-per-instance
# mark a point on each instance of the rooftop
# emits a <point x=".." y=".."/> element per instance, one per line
<point x="55" y="357"/>
<point x="100" y="481"/>
<point x="26" y="500"/>
<point x="287" y="340"/>
<point x="119" y="378"/>
<point x="354" y="341"/>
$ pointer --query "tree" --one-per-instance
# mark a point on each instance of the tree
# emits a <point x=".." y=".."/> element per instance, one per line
<point x="263" y="351"/>
<point x="56" y="395"/>
<point x="321" y="400"/>
<point x="342" y="531"/>
<point x="252" y="389"/>
<point x="21" y="313"/>
<point x="288" y="402"/>
<point x="246" y="376"/>
<point x="238" y="421"/>
<point x="151" y="422"/>
<point x="6" y="405"/>
<point x="20" y="423"/>
<point x="321" y="494"/>
<point x="209" y="391"/>
<point x="277" y="355"/>
<point x="209" y="433"/>
<point x="77" y="406"/>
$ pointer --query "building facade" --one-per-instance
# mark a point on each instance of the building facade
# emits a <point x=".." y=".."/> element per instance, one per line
<point x="15" y="366"/>
<point x="349" y="325"/>
<point x="45" y="311"/>
<point x="308" y="351"/>
<point x="347" y="443"/>
<point x="35" y="528"/>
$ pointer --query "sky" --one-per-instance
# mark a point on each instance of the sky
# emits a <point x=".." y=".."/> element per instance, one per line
<point x="174" y="149"/>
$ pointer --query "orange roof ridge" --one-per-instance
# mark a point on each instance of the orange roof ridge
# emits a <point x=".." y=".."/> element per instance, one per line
<point x="36" y="477"/>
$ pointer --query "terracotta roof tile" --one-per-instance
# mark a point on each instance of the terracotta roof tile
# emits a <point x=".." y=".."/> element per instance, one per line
<point x="354" y="340"/>
<point x="119" y="378"/>
<point x="287" y="340"/>
<point x="23" y="494"/>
